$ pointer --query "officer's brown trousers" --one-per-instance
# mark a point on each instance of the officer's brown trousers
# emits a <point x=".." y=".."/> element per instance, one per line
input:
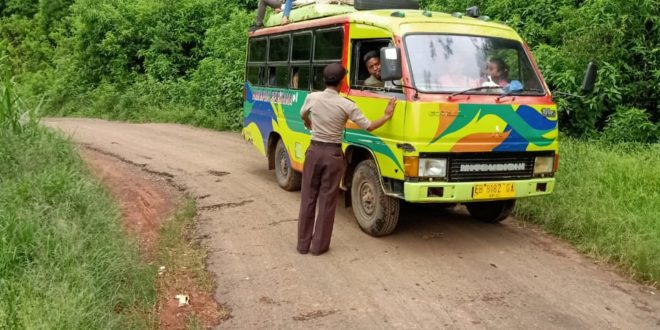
<point x="323" y="168"/>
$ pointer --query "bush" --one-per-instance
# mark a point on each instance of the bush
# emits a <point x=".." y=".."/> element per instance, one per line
<point x="631" y="125"/>
<point x="606" y="203"/>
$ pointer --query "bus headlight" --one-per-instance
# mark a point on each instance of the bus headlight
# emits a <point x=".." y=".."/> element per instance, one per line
<point x="544" y="165"/>
<point x="433" y="167"/>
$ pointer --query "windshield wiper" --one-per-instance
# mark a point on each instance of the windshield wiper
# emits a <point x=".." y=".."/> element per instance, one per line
<point x="473" y="89"/>
<point x="517" y="92"/>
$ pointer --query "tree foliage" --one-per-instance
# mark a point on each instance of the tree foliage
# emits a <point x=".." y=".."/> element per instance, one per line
<point x="183" y="60"/>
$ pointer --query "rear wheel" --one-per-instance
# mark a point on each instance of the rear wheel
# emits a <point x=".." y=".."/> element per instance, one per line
<point x="287" y="177"/>
<point x="376" y="213"/>
<point x="491" y="212"/>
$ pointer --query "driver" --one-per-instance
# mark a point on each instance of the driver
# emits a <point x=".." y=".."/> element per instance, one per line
<point x="372" y="61"/>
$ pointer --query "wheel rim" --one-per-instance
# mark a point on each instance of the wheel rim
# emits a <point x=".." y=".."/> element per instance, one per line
<point x="284" y="163"/>
<point x="367" y="195"/>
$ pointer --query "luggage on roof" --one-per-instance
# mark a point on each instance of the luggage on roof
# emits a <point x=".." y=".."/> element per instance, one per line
<point x="311" y="9"/>
<point x="386" y="4"/>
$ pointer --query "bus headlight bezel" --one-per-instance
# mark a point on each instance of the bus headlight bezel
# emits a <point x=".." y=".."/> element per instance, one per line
<point x="544" y="165"/>
<point x="432" y="167"/>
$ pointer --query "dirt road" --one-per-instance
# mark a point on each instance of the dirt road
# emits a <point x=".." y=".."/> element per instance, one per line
<point x="440" y="269"/>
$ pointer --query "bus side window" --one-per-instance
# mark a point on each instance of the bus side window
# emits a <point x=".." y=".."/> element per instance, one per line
<point x="258" y="50"/>
<point x="329" y="44"/>
<point x="328" y="48"/>
<point x="301" y="55"/>
<point x="278" y="61"/>
<point x="278" y="76"/>
<point x="256" y="75"/>
<point x="256" y="68"/>
<point x="318" y="84"/>
<point x="300" y="77"/>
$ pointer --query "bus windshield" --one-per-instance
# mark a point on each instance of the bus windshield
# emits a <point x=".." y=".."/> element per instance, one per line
<point x="452" y="63"/>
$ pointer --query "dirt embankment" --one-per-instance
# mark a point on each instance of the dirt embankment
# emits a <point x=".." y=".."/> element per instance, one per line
<point x="148" y="200"/>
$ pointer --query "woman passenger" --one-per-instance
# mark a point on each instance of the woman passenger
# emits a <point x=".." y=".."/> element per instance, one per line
<point x="498" y="71"/>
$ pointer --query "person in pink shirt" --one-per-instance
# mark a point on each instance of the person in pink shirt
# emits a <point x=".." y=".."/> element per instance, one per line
<point x="498" y="71"/>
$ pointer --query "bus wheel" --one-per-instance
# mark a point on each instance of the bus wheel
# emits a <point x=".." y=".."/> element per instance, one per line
<point x="491" y="212"/>
<point x="287" y="177"/>
<point x="376" y="213"/>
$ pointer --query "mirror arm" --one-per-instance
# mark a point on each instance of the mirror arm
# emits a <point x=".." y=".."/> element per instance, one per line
<point x="567" y="94"/>
<point x="409" y="87"/>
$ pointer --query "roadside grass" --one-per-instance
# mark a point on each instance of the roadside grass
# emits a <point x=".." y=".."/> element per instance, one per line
<point x="607" y="203"/>
<point x="177" y="248"/>
<point x="185" y="270"/>
<point x="64" y="261"/>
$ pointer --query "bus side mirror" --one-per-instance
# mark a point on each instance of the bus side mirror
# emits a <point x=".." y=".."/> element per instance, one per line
<point x="589" y="78"/>
<point x="390" y="64"/>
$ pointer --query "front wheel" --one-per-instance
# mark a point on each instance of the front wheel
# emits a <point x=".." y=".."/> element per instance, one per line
<point x="491" y="212"/>
<point x="376" y="213"/>
<point x="287" y="177"/>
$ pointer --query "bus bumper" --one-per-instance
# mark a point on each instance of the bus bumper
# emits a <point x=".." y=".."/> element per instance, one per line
<point x="456" y="192"/>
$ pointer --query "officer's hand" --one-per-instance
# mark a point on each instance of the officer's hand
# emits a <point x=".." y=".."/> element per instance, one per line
<point x="389" y="110"/>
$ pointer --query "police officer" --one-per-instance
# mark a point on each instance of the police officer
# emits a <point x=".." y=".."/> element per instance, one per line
<point x="326" y="114"/>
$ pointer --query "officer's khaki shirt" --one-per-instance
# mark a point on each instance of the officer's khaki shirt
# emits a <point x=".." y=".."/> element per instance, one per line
<point x="330" y="112"/>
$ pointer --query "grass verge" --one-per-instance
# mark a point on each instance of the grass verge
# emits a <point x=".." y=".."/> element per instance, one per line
<point x="64" y="261"/>
<point x="607" y="203"/>
<point x="185" y="273"/>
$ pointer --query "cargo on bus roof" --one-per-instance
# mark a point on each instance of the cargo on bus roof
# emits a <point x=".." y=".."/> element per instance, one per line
<point x="304" y="10"/>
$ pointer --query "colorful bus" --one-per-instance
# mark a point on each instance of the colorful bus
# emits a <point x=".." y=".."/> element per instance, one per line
<point x="456" y="137"/>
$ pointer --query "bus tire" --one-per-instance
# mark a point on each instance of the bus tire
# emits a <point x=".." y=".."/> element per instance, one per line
<point x="491" y="212"/>
<point x="286" y="176"/>
<point x="376" y="213"/>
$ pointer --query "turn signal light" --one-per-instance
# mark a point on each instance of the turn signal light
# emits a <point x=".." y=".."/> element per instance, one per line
<point x="555" y="167"/>
<point x="411" y="166"/>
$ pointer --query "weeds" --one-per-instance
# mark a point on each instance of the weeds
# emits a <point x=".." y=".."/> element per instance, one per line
<point x="15" y="114"/>
<point x="606" y="203"/>
<point x="64" y="261"/>
<point x="186" y="272"/>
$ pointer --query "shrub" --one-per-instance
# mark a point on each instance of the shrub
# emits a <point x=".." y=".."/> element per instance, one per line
<point x="631" y="125"/>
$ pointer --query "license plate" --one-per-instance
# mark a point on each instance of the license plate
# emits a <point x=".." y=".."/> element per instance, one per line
<point x="494" y="190"/>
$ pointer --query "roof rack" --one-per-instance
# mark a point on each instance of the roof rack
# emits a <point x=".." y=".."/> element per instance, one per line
<point x="304" y="10"/>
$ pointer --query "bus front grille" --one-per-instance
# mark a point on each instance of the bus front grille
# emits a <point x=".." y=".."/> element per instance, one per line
<point x="490" y="167"/>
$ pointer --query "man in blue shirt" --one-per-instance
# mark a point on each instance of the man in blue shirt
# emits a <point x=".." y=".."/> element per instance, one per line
<point x="275" y="4"/>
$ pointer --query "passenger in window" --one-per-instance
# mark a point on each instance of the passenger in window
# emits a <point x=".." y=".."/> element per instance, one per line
<point x="277" y="6"/>
<point x="497" y="71"/>
<point x="372" y="61"/>
<point x="295" y="78"/>
<point x="272" y="77"/>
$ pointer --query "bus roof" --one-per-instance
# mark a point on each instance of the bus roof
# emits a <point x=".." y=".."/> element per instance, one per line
<point x="413" y="21"/>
